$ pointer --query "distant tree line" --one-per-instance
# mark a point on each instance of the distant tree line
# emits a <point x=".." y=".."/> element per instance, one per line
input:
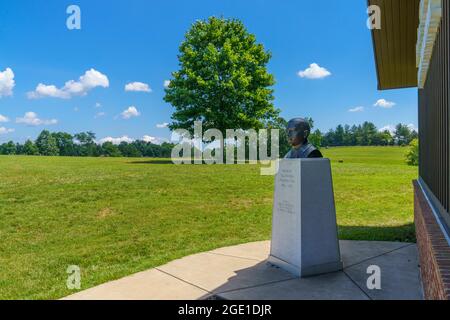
<point x="366" y="134"/>
<point x="84" y="145"/>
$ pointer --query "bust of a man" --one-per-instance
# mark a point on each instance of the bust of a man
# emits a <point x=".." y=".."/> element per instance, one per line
<point x="298" y="131"/>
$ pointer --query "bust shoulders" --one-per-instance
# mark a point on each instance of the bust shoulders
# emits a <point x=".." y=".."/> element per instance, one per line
<point x="305" y="151"/>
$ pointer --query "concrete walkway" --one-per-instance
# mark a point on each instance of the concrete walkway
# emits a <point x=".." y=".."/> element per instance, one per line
<point x="240" y="273"/>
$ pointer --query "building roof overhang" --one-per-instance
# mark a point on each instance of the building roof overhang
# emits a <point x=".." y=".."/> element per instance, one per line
<point x="395" y="43"/>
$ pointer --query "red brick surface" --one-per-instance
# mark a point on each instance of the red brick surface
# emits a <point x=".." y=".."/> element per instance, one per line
<point x="434" y="250"/>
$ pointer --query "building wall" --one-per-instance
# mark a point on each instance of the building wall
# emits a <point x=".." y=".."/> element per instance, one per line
<point x="432" y="192"/>
<point x="434" y="119"/>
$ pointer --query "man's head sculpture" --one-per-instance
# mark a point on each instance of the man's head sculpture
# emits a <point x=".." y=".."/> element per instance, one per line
<point x="298" y="130"/>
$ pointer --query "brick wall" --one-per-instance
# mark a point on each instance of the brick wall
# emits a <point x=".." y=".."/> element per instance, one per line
<point x="434" y="250"/>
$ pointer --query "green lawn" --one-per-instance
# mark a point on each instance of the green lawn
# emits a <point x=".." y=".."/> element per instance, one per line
<point x="117" y="216"/>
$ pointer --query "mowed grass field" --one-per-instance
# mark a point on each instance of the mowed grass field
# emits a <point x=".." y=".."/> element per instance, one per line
<point x="116" y="216"/>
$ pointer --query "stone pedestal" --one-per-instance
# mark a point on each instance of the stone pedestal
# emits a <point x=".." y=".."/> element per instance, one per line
<point x="304" y="230"/>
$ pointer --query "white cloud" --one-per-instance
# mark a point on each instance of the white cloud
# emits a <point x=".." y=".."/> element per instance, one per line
<point x="391" y="128"/>
<point x="356" y="109"/>
<point x="100" y="114"/>
<point x="51" y="91"/>
<point x="162" y="125"/>
<point x="153" y="140"/>
<point x="382" y="103"/>
<point x="4" y="130"/>
<point x="388" y="127"/>
<point x="7" y="83"/>
<point x="130" y="113"/>
<point x="98" y="105"/>
<point x="90" y="80"/>
<point x="145" y="138"/>
<point x="3" y="118"/>
<point x="413" y="127"/>
<point x="138" y="87"/>
<point x="31" y="119"/>
<point x="179" y="138"/>
<point x="314" y="72"/>
<point x="116" y="140"/>
<point x="76" y="109"/>
<point x="166" y="83"/>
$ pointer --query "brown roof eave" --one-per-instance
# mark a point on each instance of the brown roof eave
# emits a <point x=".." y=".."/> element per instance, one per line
<point x="394" y="46"/>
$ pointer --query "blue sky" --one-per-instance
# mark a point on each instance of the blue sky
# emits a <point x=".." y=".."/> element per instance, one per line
<point x="137" y="41"/>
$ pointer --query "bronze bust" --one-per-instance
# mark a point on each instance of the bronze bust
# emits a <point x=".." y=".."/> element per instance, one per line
<point x="298" y="131"/>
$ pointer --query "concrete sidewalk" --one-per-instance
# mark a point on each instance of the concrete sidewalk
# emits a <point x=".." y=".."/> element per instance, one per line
<point x="241" y="273"/>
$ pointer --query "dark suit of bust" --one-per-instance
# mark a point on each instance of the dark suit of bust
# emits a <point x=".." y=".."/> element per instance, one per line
<point x="305" y="151"/>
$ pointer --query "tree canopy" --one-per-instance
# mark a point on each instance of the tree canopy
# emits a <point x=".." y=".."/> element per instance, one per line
<point x="223" y="79"/>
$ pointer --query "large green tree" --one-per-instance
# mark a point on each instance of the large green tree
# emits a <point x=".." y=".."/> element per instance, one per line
<point x="404" y="134"/>
<point x="223" y="79"/>
<point x="47" y="144"/>
<point x="65" y="144"/>
<point x="86" y="144"/>
<point x="9" y="148"/>
<point x="29" y="148"/>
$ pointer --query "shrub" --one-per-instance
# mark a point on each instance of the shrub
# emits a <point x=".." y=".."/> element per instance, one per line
<point x="412" y="156"/>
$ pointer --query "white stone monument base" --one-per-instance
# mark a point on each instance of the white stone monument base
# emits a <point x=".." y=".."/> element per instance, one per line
<point x="304" y="230"/>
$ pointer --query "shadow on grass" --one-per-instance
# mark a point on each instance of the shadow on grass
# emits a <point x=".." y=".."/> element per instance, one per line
<point x="404" y="233"/>
<point x="168" y="161"/>
<point x="151" y="162"/>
